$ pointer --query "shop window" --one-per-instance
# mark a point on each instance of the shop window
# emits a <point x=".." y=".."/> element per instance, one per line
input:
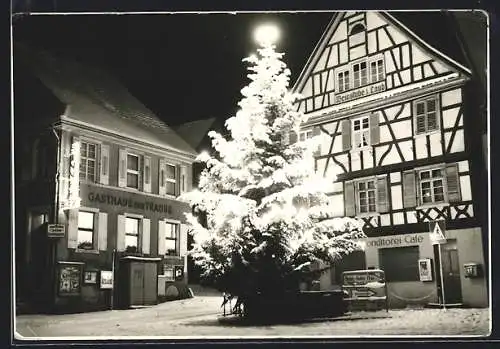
<point x="88" y="161"/>
<point x="86" y="231"/>
<point x="426" y="115"/>
<point x="172" y="239"/>
<point x="132" y="234"/>
<point x="171" y="179"/>
<point x="361" y="132"/>
<point x="431" y="186"/>
<point x="133" y="171"/>
<point x="400" y="263"/>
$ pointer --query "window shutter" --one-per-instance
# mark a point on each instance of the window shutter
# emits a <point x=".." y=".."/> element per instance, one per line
<point x="349" y="199"/>
<point x="453" y="183"/>
<point x="183" y="178"/>
<point x="120" y="233"/>
<point x="374" y="129"/>
<point x="382" y="195"/>
<point x="183" y="239"/>
<point x="177" y="180"/>
<point x="346" y="135"/>
<point x="161" y="237"/>
<point x="102" y="231"/>
<point x="122" y="168"/>
<point x="72" y="228"/>
<point x="104" y="164"/>
<point x="147" y="174"/>
<point x="146" y="230"/>
<point x="292" y="136"/>
<point x="409" y="189"/>
<point x="162" y="184"/>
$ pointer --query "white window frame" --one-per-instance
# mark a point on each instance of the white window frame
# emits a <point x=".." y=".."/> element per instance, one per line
<point x="380" y="70"/>
<point x="85" y="159"/>
<point x="139" y="219"/>
<point x="174" y="180"/>
<point x="431" y="180"/>
<point x="437" y="112"/>
<point x="358" y="196"/>
<point x="359" y="79"/>
<point x="306" y="134"/>
<point x="361" y="131"/>
<point x="133" y="172"/>
<point x="95" y="221"/>
<point x="344" y="80"/>
<point x="177" y="225"/>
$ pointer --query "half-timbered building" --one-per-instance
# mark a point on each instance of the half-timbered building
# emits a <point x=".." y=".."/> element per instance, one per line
<point x="397" y="120"/>
<point x="99" y="222"/>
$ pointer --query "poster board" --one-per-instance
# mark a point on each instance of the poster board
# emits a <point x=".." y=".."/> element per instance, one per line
<point x="106" y="279"/>
<point x="425" y="269"/>
<point x="69" y="279"/>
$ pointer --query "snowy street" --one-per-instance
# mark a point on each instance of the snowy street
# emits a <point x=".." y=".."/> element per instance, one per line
<point x="199" y="317"/>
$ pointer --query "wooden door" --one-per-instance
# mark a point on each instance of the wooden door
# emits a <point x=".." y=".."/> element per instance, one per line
<point x="451" y="276"/>
<point x="150" y="283"/>
<point x="136" y="284"/>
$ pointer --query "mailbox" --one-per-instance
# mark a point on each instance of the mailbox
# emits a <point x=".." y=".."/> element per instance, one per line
<point x="472" y="270"/>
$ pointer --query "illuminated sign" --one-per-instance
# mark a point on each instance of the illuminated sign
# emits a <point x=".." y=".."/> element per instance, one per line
<point x="127" y="202"/>
<point x="359" y="92"/>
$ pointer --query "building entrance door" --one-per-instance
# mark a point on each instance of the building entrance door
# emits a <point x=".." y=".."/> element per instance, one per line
<point x="451" y="273"/>
<point x="38" y="253"/>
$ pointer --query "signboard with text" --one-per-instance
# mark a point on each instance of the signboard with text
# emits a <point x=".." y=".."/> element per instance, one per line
<point x="365" y="285"/>
<point x="55" y="230"/>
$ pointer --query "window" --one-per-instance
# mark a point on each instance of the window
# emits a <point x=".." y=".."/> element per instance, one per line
<point x="171" y="175"/>
<point x="357" y="28"/>
<point x="361" y="132"/>
<point x="168" y="272"/>
<point x="88" y="161"/>
<point x="360" y="74"/>
<point x="367" y="196"/>
<point x="132" y="234"/>
<point x="400" y="263"/>
<point x="86" y="227"/>
<point x="377" y="70"/>
<point x="132" y="171"/>
<point x="171" y="239"/>
<point x="305" y="135"/>
<point x="426" y="115"/>
<point x="431" y="186"/>
<point x="343" y="81"/>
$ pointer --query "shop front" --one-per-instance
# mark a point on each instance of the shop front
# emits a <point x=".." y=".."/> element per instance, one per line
<point x="412" y="268"/>
<point x="116" y="247"/>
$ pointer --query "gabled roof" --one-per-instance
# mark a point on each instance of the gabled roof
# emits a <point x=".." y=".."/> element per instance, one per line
<point x="443" y="43"/>
<point x="94" y="97"/>
<point x="195" y="131"/>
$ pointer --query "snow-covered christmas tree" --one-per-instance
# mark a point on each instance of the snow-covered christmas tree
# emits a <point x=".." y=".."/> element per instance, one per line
<point x="260" y="216"/>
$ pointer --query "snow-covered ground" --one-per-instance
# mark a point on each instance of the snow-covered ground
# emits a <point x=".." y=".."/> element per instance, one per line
<point x="199" y="317"/>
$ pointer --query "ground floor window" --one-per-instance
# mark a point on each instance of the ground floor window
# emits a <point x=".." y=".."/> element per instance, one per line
<point x="400" y="263"/>
<point x="172" y="239"/>
<point x="86" y="228"/>
<point x="132" y="234"/>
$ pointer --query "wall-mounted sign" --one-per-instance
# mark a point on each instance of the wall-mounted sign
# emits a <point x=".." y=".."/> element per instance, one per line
<point x="395" y="241"/>
<point x="70" y="276"/>
<point x="179" y="272"/>
<point x="425" y="269"/>
<point x="106" y="279"/>
<point x="90" y="277"/>
<point x="359" y="92"/>
<point x="55" y="230"/>
<point x="126" y="202"/>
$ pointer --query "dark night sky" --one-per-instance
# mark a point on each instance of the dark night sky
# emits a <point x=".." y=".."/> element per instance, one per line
<point x="181" y="66"/>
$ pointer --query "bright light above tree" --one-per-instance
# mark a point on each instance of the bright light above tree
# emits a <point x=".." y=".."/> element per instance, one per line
<point x="266" y="34"/>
